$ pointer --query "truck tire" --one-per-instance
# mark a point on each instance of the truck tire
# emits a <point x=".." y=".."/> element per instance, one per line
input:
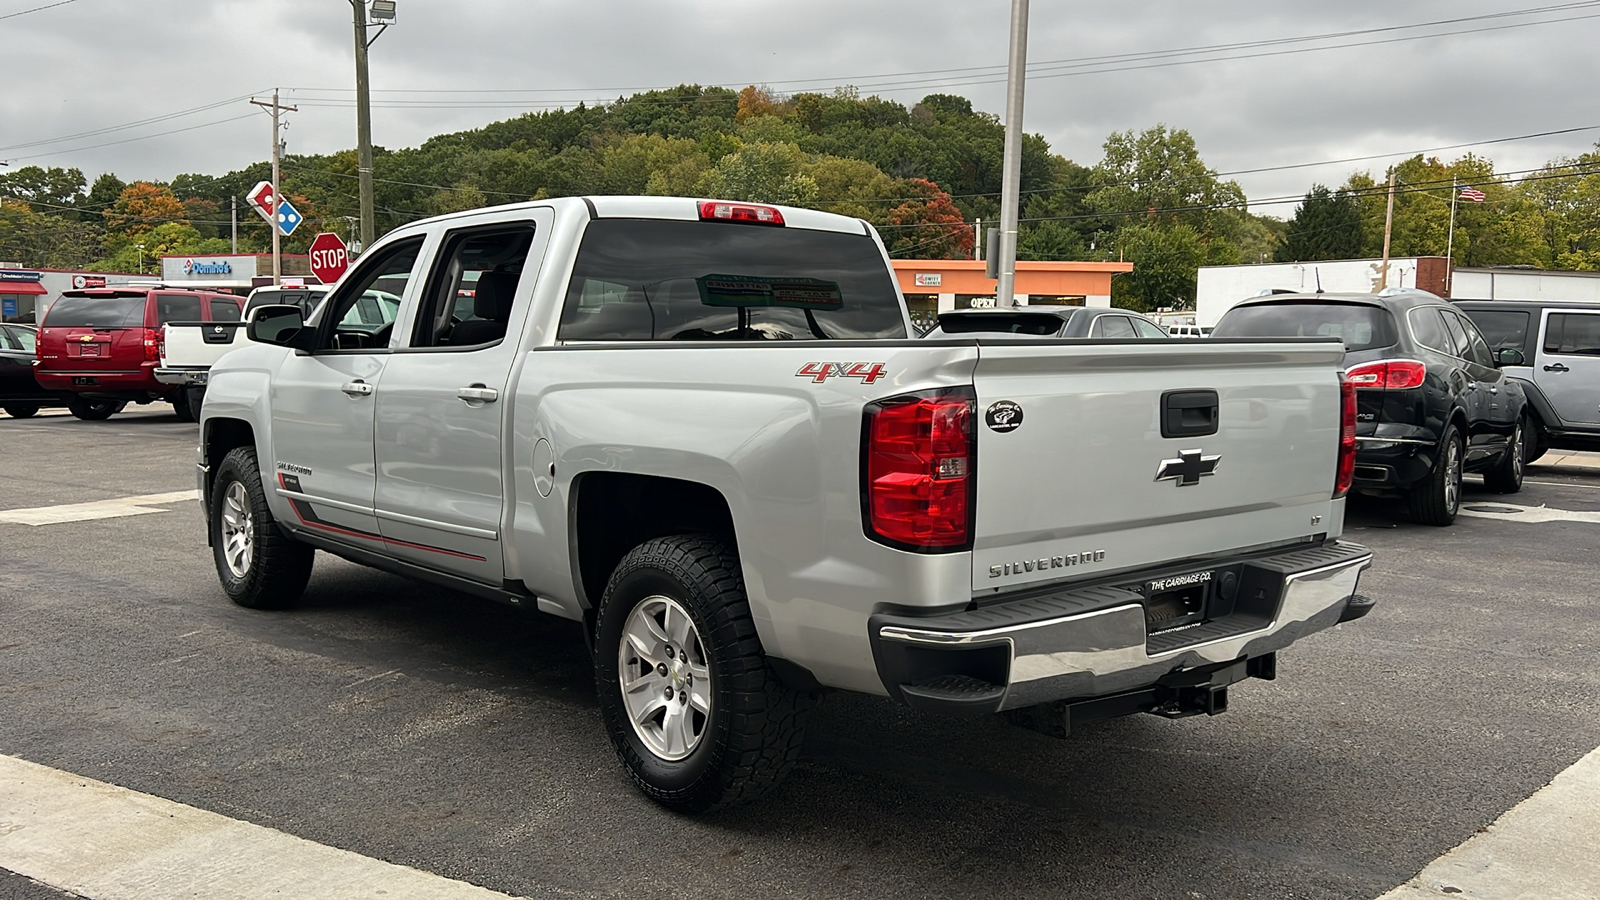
<point x="196" y="397"/>
<point x="21" y="410"/>
<point x="259" y="566"/>
<point x="1537" y="441"/>
<point x="94" y="410"/>
<point x="182" y="407"/>
<point x="698" y="717"/>
<point x="1506" y="476"/>
<point x="1436" y="498"/>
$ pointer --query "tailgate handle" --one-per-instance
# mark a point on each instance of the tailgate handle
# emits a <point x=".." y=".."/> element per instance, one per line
<point x="1188" y="413"/>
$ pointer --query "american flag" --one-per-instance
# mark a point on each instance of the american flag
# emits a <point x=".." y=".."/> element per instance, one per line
<point x="1473" y="194"/>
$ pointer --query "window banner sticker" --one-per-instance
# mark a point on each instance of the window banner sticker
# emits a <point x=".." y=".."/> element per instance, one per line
<point x="794" y="293"/>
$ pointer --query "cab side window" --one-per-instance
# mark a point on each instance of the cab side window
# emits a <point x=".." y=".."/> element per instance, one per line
<point x="1148" y="329"/>
<point x="1428" y="330"/>
<point x="1477" y="348"/>
<point x="224" y="310"/>
<point x="346" y="324"/>
<point x="467" y="304"/>
<point x="1459" y="344"/>
<point x="1112" y="327"/>
<point x="177" y="308"/>
<point x="1573" y="333"/>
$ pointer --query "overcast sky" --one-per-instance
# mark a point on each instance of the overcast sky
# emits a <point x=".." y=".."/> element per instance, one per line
<point x="88" y="65"/>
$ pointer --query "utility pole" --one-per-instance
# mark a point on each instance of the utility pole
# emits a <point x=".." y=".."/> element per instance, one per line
<point x="977" y="239"/>
<point x="1010" y="187"/>
<point x="1388" y="229"/>
<point x="234" y="204"/>
<point x="1450" y="242"/>
<point x="363" y="124"/>
<point x="382" y="14"/>
<point x="276" y="109"/>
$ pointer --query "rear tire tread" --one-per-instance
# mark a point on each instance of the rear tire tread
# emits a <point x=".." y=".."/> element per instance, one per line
<point x="760" y="728"/>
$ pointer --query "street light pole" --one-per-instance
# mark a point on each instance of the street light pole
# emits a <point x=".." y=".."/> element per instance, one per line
<point x="1010" y="185"/>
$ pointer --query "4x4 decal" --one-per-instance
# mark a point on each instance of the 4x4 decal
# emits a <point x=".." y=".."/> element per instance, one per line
<point x="822" y="371"/>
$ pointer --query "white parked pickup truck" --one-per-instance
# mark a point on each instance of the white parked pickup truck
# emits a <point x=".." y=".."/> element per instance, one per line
<point x="703" y="430"/>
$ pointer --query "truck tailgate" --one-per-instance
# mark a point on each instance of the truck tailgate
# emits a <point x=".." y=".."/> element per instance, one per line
<point x="1076" y="480"/>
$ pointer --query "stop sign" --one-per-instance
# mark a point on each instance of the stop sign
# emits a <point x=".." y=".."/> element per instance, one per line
<point x="328" y="257"/>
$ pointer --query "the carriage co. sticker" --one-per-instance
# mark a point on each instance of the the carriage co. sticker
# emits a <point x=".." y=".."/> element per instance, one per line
<point x="1003" y="416"/>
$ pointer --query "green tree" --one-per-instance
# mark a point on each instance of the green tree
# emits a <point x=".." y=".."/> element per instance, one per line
<point x="53" y="191"/>
<point x="762" y="173"/>
<point x="1326" y="225"/>
<point x="1165" y="262"/>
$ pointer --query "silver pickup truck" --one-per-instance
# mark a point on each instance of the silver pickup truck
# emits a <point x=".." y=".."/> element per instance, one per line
<point x="703" y="430"/>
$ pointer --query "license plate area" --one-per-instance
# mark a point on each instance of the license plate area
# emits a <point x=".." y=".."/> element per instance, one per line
<point x="88" y="349"/>
<point x="1177" y="600"/>
<point x="85" y="380"/>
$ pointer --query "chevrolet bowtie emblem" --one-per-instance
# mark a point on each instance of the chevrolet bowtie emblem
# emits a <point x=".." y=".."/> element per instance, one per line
<point x="87" y="338"/>
<point x="1188" y="468"/>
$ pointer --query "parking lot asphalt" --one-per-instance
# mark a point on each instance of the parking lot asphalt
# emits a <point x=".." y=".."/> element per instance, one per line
<point x="460" y="737"/>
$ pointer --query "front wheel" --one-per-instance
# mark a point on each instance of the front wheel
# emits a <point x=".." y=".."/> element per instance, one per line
<point x="1436" y="499"/>
<point x="1506" y="476"/>
<point x="259" y="566"/>
<point x="94" y="410"/>
<point x="20" y="410"/>
<point x="696" y="714"/>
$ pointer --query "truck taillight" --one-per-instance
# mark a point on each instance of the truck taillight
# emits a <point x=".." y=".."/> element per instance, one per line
<point x="917" y="470"/>
<point x="152" y="344"/>
<point x="1388" y="375"/>
<point x="1345" y="474"/>
<point x="749" y="213"/>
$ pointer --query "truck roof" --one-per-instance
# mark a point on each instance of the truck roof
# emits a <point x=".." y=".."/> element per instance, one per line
<point x="685" y="209"/>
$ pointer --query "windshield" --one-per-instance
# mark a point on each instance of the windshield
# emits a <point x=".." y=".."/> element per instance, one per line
<point x="1361" y="327"/>
<point x="97" y="312"/>
<point x="649" y="280"/>
<point x="306" y="300"/>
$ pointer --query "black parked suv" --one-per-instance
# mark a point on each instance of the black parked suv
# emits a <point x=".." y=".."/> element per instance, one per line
<point x="1431" y="399"/>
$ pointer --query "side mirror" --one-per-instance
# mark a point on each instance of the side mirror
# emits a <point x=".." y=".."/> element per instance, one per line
<point x="1509" y="356"/>
<point x="282" y="325"/>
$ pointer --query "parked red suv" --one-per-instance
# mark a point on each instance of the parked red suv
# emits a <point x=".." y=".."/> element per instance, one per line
<point x="103" y="345"/>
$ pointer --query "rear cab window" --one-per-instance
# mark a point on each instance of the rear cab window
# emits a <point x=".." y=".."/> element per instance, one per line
<point x="654" y="280"/>
<point x="119" y="310"/>
<point x="1037" y="324"/>
<point x="1360" y="326"/>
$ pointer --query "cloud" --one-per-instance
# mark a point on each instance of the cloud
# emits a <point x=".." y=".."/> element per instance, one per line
<point x="446" y="66"/>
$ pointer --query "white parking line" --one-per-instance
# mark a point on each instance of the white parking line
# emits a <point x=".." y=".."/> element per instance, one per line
<point x="98" y="509"/>
<point x="1511" y="512"/>
<point x="104" y="842"/>
<point x="1542" y="849"/>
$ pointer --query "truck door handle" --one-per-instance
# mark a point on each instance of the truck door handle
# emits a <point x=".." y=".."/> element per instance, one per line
<point x="478" y="394"/>
<point x="1558" y="367"/>
<point x="357" y="388"/>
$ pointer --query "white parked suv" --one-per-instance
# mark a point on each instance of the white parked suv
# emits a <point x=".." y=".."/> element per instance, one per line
<point x="704" y="430"/>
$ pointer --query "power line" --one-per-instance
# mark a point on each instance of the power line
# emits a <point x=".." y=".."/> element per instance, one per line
<point x="114" y="128"/>
<point x="144" y="137"/>
<point x="37" y="9"/>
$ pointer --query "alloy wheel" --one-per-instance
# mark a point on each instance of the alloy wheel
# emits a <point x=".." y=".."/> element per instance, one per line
<point x="664" y="677"/>
<point x="238" y="530"/>
<point x="1452" y="477"/>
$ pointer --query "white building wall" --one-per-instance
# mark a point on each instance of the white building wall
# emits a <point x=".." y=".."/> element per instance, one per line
<point x="1503" y="284"/>
<point x="1218" y="288"/>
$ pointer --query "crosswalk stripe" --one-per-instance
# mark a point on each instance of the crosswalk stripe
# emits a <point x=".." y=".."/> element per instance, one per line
<point x="1544" y="848"/>
<point x="97" y="509"/>
<point x="104" y="842"/>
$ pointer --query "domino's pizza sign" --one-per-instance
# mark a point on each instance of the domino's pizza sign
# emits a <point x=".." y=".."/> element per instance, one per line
<point x="207" y="267"/>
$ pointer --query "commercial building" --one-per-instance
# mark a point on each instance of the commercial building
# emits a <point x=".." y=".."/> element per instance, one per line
<point x="237" y="272"/>
<point x="932" y="286"/>
<point x="1218" y="288"/>
<point x="26" y="293"/>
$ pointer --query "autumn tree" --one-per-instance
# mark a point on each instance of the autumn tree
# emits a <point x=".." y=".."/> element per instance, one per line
<point x="755" y="101"/>
<point x="142" y="206"/>
<point x="926" y="225"/>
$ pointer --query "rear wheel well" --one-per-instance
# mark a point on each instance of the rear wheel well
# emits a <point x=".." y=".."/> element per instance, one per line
<point x="614" y="512"/>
